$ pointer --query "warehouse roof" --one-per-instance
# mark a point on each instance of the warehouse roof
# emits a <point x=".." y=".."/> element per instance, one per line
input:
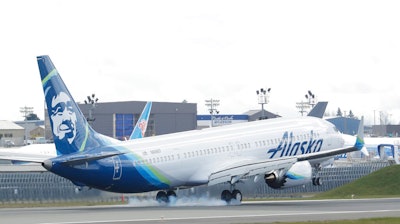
<point x="9" y="125"/>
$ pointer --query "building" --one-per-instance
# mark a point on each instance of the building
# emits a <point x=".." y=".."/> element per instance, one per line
<point x="34" y="129"/>
<point x="349" y="126"/>
<point x="11" y="134"/>
<point x="205" y="121"/>
<point x="259" y="114"/>
<point x="345" y="125"/>
<point x="385" y="130"/>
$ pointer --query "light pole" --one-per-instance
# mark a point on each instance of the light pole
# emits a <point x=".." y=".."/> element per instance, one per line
<point x="302" y="106"/>
<point x="26" y="111"/>
<point x="212" y="104"/>
<point x="91" y="100"/>
<point x="263" y="98"/>
<point x="312" y="100"/>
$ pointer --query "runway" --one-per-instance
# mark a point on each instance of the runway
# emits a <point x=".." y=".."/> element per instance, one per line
<point x="246" y="212"/>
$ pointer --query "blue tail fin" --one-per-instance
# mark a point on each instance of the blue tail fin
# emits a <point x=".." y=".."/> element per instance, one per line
<point x="71" y="131"/>
<point x="141" y="124"/>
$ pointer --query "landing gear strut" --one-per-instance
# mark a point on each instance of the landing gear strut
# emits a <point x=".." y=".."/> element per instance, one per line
<point x="316" y="180"/>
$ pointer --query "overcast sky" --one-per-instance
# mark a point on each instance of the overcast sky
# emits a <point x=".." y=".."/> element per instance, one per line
<point x="345" y="52"/>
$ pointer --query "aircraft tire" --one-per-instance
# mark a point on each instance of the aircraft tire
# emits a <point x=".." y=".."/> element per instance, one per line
<point x="171" y="195"/>
<point x="236" y="194"/>
<point x="318" y="181"/>
<point x="162" y="197"/>
<point x="226" y="196"/>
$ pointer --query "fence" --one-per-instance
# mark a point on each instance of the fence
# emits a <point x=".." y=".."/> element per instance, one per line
<point x="45" y="187"/>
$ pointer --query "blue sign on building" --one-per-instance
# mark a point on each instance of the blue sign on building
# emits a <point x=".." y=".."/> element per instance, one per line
<point x="220" y="119"/>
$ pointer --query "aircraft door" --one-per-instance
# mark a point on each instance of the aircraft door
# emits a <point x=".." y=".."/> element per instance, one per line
<point x="117" y="168"/>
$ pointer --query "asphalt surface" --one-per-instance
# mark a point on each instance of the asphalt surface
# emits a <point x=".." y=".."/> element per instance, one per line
<point x="204" y="211"/>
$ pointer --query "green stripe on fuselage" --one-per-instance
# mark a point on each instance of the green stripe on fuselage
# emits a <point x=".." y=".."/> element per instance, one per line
<point x="149" y="172"/>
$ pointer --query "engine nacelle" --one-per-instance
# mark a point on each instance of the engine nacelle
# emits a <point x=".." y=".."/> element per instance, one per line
<point x="300" y="173"/>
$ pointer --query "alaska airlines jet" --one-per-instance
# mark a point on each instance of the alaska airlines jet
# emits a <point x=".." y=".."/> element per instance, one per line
<point x="26" y="153"/>
<point x="282" y="151"/>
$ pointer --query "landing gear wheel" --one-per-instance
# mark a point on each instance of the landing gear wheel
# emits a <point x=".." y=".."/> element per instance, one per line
<point x="162" y="197"/>
<point x="226" y="196"/>
<point x="316" y="181"/>
<point x="236" y="194"/>
<point x="171" y="195"/>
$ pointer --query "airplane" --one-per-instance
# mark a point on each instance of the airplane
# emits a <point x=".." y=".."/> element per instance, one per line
<point x="384" y="147"/>
<point x="381" y="147"/>
<point x="282" y="151"/>
<point x="49" y="149"/>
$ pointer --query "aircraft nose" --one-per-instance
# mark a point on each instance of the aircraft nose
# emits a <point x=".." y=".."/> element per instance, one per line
<point x="48" y="164"/>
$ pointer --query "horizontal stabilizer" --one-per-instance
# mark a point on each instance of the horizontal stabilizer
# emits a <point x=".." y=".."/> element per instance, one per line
<point x="318" y="110"/>
<point x="83" y="158"/>
<point x="24" y="157"/>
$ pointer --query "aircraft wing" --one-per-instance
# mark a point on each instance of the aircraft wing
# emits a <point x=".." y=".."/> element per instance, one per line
<point x="327" y="153"/>
<point x="358" y="146"/>
<point x="24" y="157"/>
<point x="239" y="170"/>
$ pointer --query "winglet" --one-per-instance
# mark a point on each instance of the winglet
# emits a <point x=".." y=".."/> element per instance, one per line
<point x="360" y="144"/>
<point x="141" y="124"/>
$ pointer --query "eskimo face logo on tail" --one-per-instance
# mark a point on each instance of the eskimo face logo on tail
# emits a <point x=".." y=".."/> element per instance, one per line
<point x="63" y="117"/>
<point x="287" y="146"/>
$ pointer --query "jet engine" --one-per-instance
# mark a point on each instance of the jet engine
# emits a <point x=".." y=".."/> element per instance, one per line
<point x="300" y="173"/>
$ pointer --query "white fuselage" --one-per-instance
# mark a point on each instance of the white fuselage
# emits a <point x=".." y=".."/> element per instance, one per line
<point x="189" y="158"/>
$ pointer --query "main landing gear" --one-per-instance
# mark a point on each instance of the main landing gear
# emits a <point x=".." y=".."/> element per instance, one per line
<point x="227" y="195"/>
<point x="165" y="196"/>
<point x="316" y="180"/>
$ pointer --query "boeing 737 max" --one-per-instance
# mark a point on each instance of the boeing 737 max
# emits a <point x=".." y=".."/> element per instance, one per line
<point x="282" y="151"/>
